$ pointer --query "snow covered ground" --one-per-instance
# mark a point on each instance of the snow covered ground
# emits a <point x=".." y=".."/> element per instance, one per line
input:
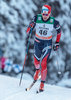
<point x="10" y="90"/>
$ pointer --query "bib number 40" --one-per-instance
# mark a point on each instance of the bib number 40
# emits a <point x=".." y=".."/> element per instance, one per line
<point x="43" y="32"/>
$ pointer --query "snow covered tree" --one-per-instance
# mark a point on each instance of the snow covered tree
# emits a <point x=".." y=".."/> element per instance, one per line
<point x="15" y="15"/>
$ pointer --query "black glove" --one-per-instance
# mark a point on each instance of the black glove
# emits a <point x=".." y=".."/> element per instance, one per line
<point x="56" y="46"/>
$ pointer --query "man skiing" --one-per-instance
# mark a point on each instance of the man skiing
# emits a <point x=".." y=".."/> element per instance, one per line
<point x="44" y="24"/>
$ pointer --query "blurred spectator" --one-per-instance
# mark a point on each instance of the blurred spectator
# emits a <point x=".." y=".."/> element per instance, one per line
<point x="8" y="66"/>
<point x="2" y="61"/>
<point x="17" y="68"/>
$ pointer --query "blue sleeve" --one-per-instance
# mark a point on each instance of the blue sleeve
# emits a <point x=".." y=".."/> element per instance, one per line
<point x="57" y="26"/>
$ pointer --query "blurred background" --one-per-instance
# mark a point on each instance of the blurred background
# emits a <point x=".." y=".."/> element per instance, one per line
<point x="15" y="16"/>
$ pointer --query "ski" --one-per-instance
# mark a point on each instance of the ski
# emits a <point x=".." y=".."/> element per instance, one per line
<point x="39" y="91"/>
<point x="27" y="89"/>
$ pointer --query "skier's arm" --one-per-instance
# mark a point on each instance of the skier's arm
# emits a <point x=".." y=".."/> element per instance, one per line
<point x="32" y="24"/>
<point x="58" y="29"/>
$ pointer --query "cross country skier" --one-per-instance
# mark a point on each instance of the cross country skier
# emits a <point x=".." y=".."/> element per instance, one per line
<point x="44" y="24"/>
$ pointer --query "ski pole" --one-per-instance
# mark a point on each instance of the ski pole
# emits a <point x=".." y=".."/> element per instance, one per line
<point x="56" y="53"/>
<point x="25" y="56"/>
<point x="59" y="71"/>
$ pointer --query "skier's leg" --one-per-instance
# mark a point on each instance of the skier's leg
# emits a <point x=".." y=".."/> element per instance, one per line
<point x="36" y="63"/>
<point x="44" y="68"/>
<point x="37" y="66"/>
<point x="37" y="55"/>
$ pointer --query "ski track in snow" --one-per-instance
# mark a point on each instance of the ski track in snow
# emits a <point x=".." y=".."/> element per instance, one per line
<point x="10" y="90"/>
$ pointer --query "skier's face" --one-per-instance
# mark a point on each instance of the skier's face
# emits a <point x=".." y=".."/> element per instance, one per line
<point x="45" y="16"/>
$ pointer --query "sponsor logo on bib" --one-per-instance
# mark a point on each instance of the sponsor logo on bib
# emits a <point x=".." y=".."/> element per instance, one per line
<point x="51" y="20"/>
<point x="39" y="18"/>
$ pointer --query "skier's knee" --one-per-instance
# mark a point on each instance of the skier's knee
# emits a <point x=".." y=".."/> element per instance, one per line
<point x="44" y="63"/>
<point x="36" y="63"/>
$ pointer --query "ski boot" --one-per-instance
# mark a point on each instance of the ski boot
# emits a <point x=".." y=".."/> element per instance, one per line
<point x="41" y="89"/>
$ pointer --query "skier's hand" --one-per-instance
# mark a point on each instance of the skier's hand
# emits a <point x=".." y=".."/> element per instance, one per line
<point x="56" y="46"/>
